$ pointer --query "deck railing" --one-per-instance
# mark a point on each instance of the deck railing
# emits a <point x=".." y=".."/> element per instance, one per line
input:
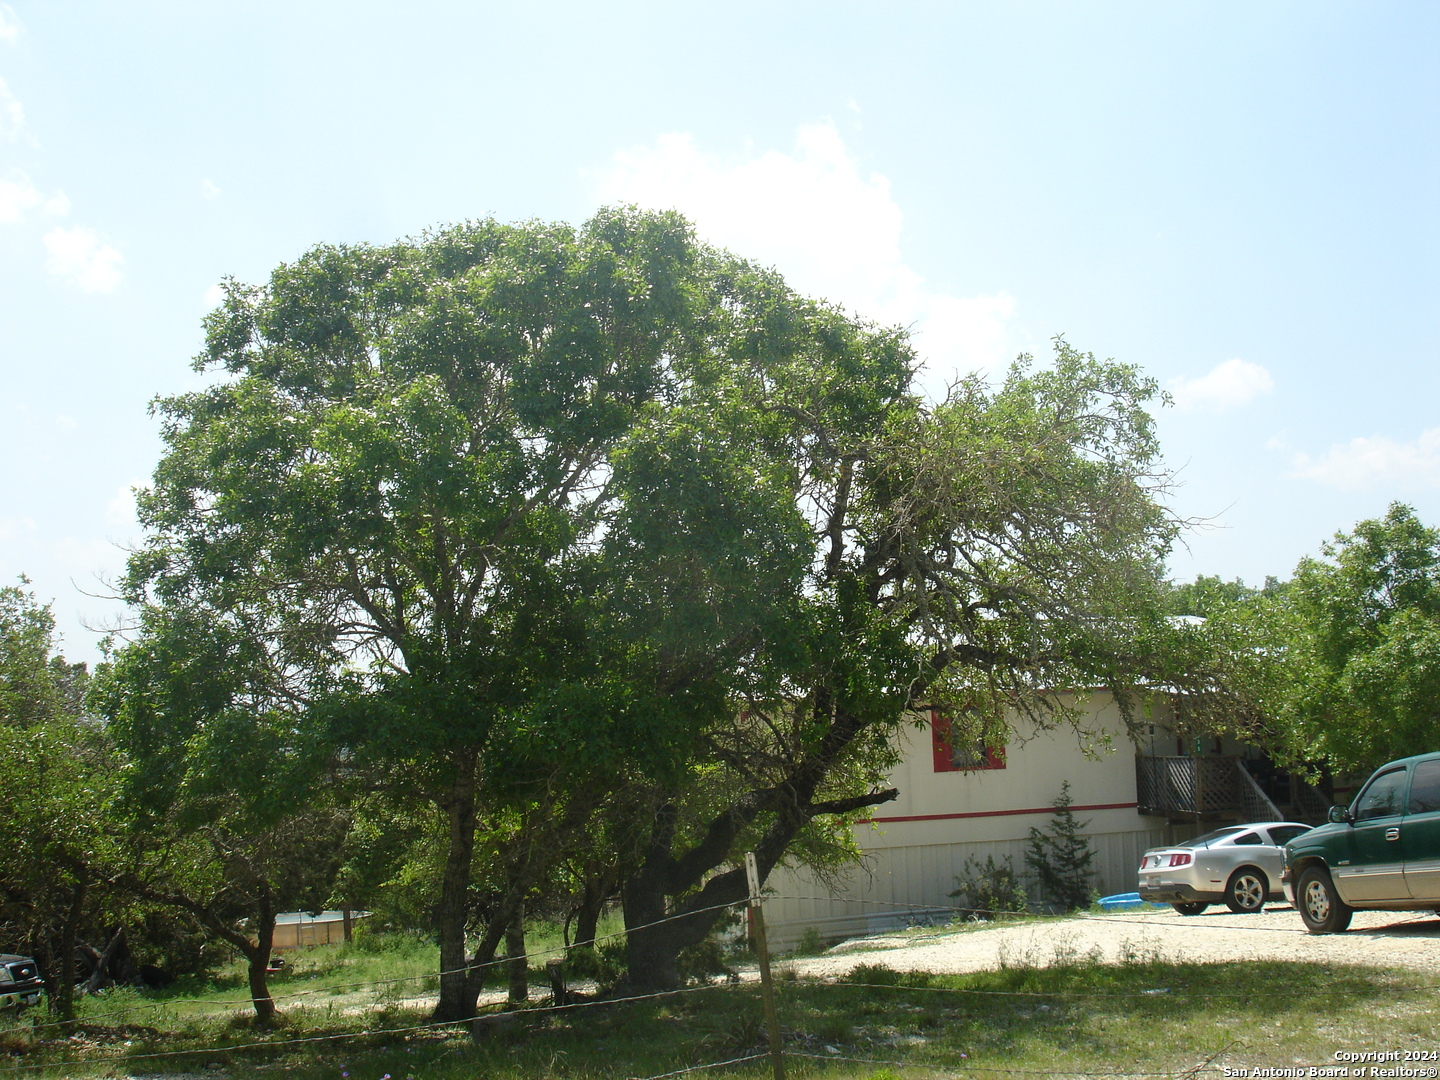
<point x="1254" y="803"/>
<point x="1193" y="787"/>
<point x="1218" y="786"/>
<point x="1310" y="804"/>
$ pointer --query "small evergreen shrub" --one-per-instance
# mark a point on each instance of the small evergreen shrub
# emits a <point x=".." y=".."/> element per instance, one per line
<point x="1061" y="856"/>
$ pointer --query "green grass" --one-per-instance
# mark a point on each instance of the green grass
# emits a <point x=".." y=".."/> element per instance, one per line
<point x="1077" y="1016"/>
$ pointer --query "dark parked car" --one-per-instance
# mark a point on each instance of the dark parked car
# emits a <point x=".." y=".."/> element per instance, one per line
<point x="1238" y="866"/>
<point x="20" y="982"/>
<point x="1382" y="852"/>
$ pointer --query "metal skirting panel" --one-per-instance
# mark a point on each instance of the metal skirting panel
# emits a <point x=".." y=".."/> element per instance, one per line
<point x="895" y="887"/>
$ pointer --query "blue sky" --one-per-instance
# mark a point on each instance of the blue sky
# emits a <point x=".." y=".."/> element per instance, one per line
<point x="1243" y="199"/>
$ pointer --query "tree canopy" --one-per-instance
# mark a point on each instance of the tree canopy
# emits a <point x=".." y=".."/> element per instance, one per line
<point x="1355" y="640"/>
<point x="61" y="841"/>
<point x="610" y="546"/>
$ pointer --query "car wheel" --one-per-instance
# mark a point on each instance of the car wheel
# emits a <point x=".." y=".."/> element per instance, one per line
<point x="1320" y="905"/>
<point x="1192" y="908"/>
<point x="1245" y="891"/>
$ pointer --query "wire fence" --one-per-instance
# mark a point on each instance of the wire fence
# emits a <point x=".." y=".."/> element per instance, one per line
<point x="425" y="978"/>
<point x="959" y="1066"/>
<point x="957" y="914"/>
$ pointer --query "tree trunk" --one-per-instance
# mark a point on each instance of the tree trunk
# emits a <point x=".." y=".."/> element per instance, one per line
<point x="104" y="961"/>
<point x="592" y="906"/>
<point x="517" y="964"/>
<point x="256" y="953"/>
<point x="258" y="959"/>
<point x="652" y="949"/>
<point x="656" y="932"/>
<point x="496" y="929"/>
<point x="62" y="991"/>
<point x="456" y="1002"/>
<point x="533" y="854"/>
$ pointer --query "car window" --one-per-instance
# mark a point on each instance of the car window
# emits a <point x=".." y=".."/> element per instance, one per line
<point x="1248" y="838"/>
<point x="1425" y="788"/>
<point x="1382" y="796"/>
<point x="1283" y="834"/>
<point x="1211" y="837"/>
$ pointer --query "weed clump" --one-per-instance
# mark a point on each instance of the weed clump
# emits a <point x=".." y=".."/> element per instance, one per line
<point x="810" y="943"/>
<point x="989" y="889"/>
<point x="874" y="974"/>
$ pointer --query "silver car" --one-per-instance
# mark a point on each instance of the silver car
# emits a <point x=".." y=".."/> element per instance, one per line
<point x="1238" y="866"/>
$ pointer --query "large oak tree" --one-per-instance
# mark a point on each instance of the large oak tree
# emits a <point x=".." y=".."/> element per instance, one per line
<point x="986" y="552"/>
<point x="601" y="532"/>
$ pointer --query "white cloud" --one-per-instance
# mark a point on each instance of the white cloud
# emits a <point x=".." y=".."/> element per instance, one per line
<point x="18" y="196"/>
<point x="12" y="116"/>
<point x="9" y="24"/>
<point x="832" y="231"/>
<point x="213" y="296"/>
<point x="1364" y="463"/>
<point x="120" y="508"/>
<point x="11" y="528"/>
<point x="77" y="255"/>
<point x="209" y="189"/>
<point x="1227" y="385"/>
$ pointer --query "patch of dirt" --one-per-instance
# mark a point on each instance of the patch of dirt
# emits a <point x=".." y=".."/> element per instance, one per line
<point x="1382" y="938"/>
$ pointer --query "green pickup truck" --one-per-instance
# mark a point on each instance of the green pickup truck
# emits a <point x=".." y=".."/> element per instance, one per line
<point x="1382" y="852"/>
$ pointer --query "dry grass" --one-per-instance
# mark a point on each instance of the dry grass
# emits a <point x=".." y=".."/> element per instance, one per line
<point x="1061" y="1013"/>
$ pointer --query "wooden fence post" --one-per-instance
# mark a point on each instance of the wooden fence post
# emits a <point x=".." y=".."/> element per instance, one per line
<point x="767" y="985"/>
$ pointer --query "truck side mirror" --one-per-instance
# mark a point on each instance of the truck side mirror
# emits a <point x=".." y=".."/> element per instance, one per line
<point x="1340" y="815"/>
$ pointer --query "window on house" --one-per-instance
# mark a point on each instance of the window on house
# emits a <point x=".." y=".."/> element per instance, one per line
<point x="961" y="754"/>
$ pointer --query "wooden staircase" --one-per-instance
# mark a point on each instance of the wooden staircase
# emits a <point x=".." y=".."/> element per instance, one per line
<point x="1217" y="788"/>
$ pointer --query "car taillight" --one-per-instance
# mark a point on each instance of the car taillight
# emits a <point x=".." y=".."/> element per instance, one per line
<point x="1180" y="859"/>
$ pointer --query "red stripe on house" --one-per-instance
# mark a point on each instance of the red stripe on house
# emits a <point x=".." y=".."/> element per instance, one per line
<point x="998" y="813"/>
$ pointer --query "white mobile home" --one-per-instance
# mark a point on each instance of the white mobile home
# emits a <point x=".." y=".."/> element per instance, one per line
<point x="958" y="803"/>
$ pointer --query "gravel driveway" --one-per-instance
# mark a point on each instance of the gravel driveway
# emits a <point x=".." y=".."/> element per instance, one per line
<point x="1409" y="940"/>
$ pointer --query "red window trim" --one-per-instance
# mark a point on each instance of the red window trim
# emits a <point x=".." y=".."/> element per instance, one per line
<point x="944" y="758"/>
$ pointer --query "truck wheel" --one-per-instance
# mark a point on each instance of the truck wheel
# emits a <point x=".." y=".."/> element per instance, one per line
<point x="1192" y="908"/>
<point x="1320" y="905"/>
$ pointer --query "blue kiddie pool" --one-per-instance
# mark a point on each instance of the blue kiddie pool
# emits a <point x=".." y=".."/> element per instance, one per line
<point x="1128" y="901"/>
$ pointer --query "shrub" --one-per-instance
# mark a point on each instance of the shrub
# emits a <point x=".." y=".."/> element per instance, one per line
<point x="704" y="960"/>
<point x="810" y="943"/>
<point x="1061" y="857"/>
<point x="605" y="963"/>
<point x="874" y="974"/>
<point x="987" y="889"/>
